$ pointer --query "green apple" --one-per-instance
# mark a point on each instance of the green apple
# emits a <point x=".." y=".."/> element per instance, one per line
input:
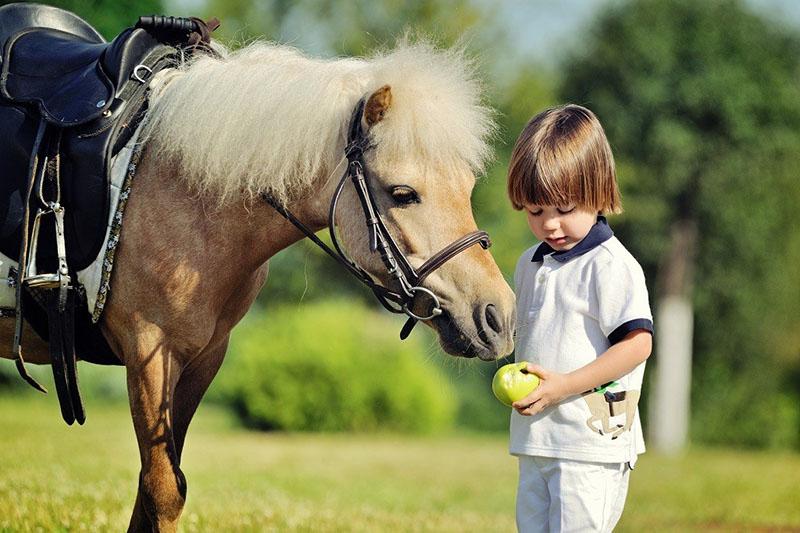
<point x="511" y="383"/>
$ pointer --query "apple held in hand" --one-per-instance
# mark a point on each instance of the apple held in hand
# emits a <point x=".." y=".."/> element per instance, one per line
<point x="511" y="383"/>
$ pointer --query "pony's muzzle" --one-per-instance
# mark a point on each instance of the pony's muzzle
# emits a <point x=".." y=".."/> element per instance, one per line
<point x="491" y="327"/>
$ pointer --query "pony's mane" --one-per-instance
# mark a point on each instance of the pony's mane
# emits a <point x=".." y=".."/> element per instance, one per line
<point x="266" y="118"/>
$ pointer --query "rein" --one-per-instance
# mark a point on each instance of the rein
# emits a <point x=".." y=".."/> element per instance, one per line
<point x="405" y="276"/>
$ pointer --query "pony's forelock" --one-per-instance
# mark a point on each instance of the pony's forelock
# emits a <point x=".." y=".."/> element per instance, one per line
<point x="266" y="118"/>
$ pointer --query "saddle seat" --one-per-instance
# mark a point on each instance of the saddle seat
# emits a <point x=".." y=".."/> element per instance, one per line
<point x="71" y="79"/>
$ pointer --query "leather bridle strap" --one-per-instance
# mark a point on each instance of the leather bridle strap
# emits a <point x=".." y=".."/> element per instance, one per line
<point x="308" y="232"/>
<point x="455" y="248"/>
<point x="400" y="271"/>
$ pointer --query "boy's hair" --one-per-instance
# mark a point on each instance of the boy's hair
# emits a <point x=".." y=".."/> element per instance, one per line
<point x="563" y="157"/>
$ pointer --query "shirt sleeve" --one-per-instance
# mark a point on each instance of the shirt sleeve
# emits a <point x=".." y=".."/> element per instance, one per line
<point x="623" y="304"/>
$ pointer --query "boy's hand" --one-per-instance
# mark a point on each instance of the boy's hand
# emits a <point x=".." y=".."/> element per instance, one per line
<point x="551" y="390"/>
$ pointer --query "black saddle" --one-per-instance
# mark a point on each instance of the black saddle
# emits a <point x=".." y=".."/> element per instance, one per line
<point x="91" y="93"/>
<point x="69" y="102"/>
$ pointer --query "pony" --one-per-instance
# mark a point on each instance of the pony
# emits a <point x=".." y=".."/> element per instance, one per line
<point x="225" y="131"/>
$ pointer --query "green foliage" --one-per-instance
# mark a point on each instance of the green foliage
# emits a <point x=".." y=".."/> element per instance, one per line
<point x="8" y="376"/>
<point x="701" y="103"/>
<point x="101" y="382"/>
<point x="478" y="409"/>
<point x="753" y="409"/>
<point x="305" y="273"/>
<point x="109" y="17"/>
<point x="350" y="28"/>
<point x="332" y="366"/>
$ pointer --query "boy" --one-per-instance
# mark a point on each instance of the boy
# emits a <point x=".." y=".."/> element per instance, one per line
<point x="583" y="324"/>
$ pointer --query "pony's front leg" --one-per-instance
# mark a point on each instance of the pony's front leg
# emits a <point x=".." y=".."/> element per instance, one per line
<point x="162" y="486"/>
<point x="192" y="385"/>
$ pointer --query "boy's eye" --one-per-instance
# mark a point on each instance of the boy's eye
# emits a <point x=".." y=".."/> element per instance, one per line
<point x="536" y="212"/>
<point x="567" y="209"/>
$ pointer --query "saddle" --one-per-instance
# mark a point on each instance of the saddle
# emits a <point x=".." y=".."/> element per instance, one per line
<point x="69" y="102"/>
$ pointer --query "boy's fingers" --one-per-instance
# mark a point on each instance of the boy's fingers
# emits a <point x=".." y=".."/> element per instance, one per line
<point x="531" y="409"/>
<point x="526" y="402"/>
<point x="536" y="369"/>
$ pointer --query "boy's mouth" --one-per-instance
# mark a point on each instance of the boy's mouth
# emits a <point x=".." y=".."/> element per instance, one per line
<point x="557" y="241"/>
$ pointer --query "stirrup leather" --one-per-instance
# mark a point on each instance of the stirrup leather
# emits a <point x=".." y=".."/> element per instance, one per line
<point x="59" y="292"/>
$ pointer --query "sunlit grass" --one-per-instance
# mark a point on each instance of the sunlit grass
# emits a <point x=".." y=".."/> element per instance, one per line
<point x="83" y="478"/>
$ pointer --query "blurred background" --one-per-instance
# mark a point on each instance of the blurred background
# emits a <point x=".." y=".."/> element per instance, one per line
<point x="701" y="104"/>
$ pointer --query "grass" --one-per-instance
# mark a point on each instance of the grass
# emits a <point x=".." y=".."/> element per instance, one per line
<point x="57" y="478"/>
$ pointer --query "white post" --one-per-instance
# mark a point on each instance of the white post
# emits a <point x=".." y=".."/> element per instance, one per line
<point x="669" y="399"/>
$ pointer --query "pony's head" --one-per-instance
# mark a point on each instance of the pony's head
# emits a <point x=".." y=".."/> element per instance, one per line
<point x="426" y="130"/>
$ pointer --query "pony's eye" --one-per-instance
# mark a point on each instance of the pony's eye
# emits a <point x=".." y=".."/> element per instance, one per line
<point x="404" y="195"/>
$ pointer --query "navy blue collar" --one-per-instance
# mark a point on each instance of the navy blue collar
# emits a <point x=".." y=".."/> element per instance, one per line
<point x="599" y="234"/>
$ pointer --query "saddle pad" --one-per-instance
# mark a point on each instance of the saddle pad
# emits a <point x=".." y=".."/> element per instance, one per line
<point x="97" y="276"/>
<point x="8" y="294"/>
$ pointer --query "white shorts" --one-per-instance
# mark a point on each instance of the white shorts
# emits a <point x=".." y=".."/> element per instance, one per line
<point x="563" y="495"/>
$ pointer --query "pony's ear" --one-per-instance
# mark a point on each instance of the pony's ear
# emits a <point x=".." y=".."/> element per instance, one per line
<point x="376" y="105"/>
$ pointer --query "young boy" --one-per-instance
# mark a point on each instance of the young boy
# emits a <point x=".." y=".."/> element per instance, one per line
<point x="583" y="323"/>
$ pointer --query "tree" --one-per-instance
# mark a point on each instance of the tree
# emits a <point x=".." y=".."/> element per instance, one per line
<point x="350" y="28"/>
<point x="701" y="103"/>
<point x="109" y="17"/>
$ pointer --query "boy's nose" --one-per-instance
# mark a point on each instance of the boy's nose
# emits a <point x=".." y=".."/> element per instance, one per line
<point x="551" y="224"/>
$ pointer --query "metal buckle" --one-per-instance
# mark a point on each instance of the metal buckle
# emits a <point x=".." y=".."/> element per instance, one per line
<point x="138" y="77"/>
<point x="435" y="311"/>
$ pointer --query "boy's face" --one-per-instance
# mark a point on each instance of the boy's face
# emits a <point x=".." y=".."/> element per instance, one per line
<point x="562" y="227"/>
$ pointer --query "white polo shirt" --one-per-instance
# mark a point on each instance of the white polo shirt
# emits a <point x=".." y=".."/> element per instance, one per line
<point x="571" y="307"/>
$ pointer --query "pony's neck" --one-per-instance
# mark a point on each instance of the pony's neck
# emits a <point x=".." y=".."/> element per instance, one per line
<point x="268" y="232"/>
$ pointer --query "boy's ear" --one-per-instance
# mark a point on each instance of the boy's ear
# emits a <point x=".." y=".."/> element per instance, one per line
<point x="376" y="106"/>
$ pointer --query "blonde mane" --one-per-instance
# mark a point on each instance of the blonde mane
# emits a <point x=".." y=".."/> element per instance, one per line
<point x="266" y="118"/>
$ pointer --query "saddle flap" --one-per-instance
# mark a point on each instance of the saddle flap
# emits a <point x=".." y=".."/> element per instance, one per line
<point x="59" y="72"/>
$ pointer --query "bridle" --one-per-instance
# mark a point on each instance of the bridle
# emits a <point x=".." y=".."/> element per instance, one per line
<point x="406" y="277"/>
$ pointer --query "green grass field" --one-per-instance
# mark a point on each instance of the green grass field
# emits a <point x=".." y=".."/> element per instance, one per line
<point x="57" y="478"/>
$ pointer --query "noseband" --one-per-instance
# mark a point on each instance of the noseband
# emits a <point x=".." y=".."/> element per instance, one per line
<point x="401" y="273"/>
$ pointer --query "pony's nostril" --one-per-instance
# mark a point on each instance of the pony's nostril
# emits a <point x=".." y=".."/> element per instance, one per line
<point x="492" y="318"/>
